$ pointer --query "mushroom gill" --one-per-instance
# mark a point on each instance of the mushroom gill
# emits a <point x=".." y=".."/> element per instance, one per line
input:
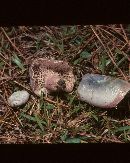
<point x="49" y="75"/>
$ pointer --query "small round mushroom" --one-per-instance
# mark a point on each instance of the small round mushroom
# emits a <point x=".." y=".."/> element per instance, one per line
<point x="102" y="91"/>
<point x="49" y="75"/>
<point x="18" y="98"/>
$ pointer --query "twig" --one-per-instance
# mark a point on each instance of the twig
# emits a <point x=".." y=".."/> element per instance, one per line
<point x="83" y="47"/>
<point x="116" y="64"/>
<point x="125" y="36"/>
<point x="117" y="32"/>
<point x="110" y="34"/>
<point x="13" y="45"/>
<point x="8" y="123"/>
<point x="8" y="78"/>
<point x="108" y="53"/>
<point x="111" y="140"/>
<point x="124" y="54"/>
<point x="4" y="60"/>
<point x="11" y="109"/>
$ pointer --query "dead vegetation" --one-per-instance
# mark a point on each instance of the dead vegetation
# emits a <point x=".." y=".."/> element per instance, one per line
<point x="103" y="49"/>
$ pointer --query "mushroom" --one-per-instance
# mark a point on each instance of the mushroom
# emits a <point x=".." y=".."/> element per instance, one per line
<point x="49" y="75"/>
<point x="18" y="98"/>
<point x="102" y="91"/>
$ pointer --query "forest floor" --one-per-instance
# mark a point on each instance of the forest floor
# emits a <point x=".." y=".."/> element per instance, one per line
<point x="100" y="49"/>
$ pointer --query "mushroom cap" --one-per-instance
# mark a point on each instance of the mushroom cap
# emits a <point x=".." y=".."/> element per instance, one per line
<point x="102" y="91"/>
<point x="18" y="98"/>
<point x="49" y="75"/>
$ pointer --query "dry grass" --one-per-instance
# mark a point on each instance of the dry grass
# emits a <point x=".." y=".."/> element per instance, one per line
<point x="103" y="49"/>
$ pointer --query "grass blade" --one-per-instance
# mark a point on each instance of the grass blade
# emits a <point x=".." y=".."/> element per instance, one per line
<point x="29" y="117"/>
<point x="124" y="128"/>
<point x="39" y="122"/>
<point x="73" y="140"/>
<point x="18" y="62"/>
